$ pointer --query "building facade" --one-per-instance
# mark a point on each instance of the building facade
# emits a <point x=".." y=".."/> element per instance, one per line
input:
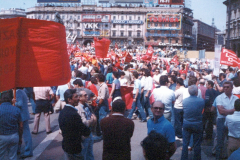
<point x="234" y="25"/>
<point x="12" y="13"/>
<point x="128" y="27"/>
<point x="204" y="36"/>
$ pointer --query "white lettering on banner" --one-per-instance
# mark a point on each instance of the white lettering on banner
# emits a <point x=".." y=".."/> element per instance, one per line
<point x="164" y="1"/>
<point x="90" y="25"/>
<point x="127" y="21"/>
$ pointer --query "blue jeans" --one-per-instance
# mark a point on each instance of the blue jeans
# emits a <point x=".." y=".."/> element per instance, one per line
<point x="27" y="137"/>
<point x="87" y="150"/>
<point x="178" y="122"/>
<point x="9" y="145"/>
<point x="30" y="96"/>
<point x="221" y="134"/>
<point x="146" y="104"/>
<point x="139" y="106"/>
<point x="77" y="156"/>
<point x="196" y="130"/>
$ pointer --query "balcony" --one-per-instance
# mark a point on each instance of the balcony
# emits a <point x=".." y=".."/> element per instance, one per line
<point x="162" y="35"/>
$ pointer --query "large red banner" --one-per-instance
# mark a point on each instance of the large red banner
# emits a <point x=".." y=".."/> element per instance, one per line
<point x="32" y="53"/>
<point x="171" y="2"/>
<point x="101" y="47"/>
<point x="229" y="58"/>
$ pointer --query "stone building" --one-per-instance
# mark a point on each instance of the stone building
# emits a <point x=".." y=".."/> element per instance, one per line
<point x="128" y="26"/>
<point x="234" y="25"/>
<point x="12" y="13"/>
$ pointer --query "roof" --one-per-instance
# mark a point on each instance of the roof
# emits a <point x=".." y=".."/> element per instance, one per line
<point x="121" y="1"/>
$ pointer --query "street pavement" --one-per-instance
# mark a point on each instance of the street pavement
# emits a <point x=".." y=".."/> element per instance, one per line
<point x="48" y="147"/>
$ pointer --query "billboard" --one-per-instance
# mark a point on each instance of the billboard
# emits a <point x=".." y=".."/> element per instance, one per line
<point x="159" y="21"/>
<point x="150" y="1"/>
<point x="171" y="2"/>
<point x="127" y="22"/>
<point x="96" y="18"/>
<point x="58" y="1"/>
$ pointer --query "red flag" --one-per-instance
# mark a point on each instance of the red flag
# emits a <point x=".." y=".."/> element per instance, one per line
<point x="101" y="47"/>
<point x="33" y="53"/>
<point x="229" y="58"/>
<point x="128" y="58"/>
<point x="149" y="51"/>
<point x="175" y="60"/>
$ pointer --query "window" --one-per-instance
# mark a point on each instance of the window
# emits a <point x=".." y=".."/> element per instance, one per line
<point x="121" y="42"/>
<point x="155" y="39"/>
<point x="114" y="33"/>
<point x="155" y="31"/>
<point x="138" y="26"/>
<point x="121" y="17"/>
<point x="47" y="16"/>
<point x="163" y="32"/>
<point x="162" y="40"/>
<point x="156" y="24"/>
<point x="176" y="40"/>
<point x="78" y="25"/>
<point x="163" y="25"/>
<point x="129" y="33"/>
<point x="170" y="32"/>
<point x="78" y="17"/>
<point x="170" y="24"/>
<point x="121" y="25"/>
<point x="70" y="25"/>
<point x="129" y="42"/>
<point x="138" y="17"/>
<point x="148" y="25"/>
<point x="176" y="32"/>
<point x="78" y="32"/>
<point x="114" y="25"/>
<point x="71" y="32"/>
<point x="130" y="26"/>
<point x="122" y="34"/>
<point x="138" y="41"/>
<point x="106" y="25"/>
<point x="114" y="17"/>
<point x="169" y="40"/>
<point x="63" y="17"/>
<point x="39" y="17"/>
<point x="138" y="34"/>
<point x="70" y="17"/>
<point x="130" y="17"/>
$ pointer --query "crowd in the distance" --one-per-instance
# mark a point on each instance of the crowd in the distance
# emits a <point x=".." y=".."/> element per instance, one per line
<point x="179" y="102"/>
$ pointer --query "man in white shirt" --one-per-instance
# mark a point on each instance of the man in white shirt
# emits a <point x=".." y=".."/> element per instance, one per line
<point x="156" y="77"/>
<point x="166" y="96"/>
<point x="164" y="71"/>
<point x="147" y="88"/>
<point x="122" y="79"/>
<point x="84" y="69"/>
<point x="225" y="105"/>
<point x="233" y="124"/>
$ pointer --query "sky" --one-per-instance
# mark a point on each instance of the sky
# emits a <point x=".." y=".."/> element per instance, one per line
<point x="203" y="10"/>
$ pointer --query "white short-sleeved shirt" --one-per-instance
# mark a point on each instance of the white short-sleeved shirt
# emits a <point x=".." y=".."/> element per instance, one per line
<point x="233" y="124"/>
<point x="223" y="100"/>
<point x="186" y="93"/>
<point x="165" y="95"/>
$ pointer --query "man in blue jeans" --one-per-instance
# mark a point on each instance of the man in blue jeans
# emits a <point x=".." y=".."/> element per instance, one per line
<point x="102" y="109"/>
<point x="136" y="100"/>
<point x="192" y="122"/>
<point x="225" y="106"/>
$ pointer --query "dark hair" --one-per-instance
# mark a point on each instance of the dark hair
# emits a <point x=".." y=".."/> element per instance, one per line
<point x="109" y="70"/>
<point x="118" y="106"/>
<point x="237" y="105"/>
<point x="135" y="74"/>
<point x="154" y="146"/>
<point x="93" y="80"/>
<point x="78" y="82"/>
<point x="228" y="82"/>
<point x="180" y="81"/>
<point x="7" y="96"/>
<point x="174" y="79"/>
<point x="115" y="74"/>
<point x="236" y="82"/>
<point x="122" y="74"/>
<point x="163" y="80"/>
<point x="101" y="77"/>
<point x="147" y="73"/>
<point x="78" y="73"/>
<point x="222" y="74"/>
<point x="69" y="94"/>
<point x="164" y="67"/>
<point x="126" y="68"/>
<point x="210" y="83"/>
<point x="230" y="69"/>
<point x="175" y="73"/>
<point x="84" y="64"/>
<point x="192" y="81"/>
<point x="95" y="69"/>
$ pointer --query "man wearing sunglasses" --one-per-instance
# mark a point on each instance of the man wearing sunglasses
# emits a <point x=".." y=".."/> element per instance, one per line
<point x="161" y="125"/>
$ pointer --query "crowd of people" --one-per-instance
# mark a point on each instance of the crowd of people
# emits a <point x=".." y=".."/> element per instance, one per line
<point x="181" y="101"/>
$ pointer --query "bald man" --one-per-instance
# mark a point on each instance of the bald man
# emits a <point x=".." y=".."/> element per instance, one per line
<point x="161" y="125"/>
